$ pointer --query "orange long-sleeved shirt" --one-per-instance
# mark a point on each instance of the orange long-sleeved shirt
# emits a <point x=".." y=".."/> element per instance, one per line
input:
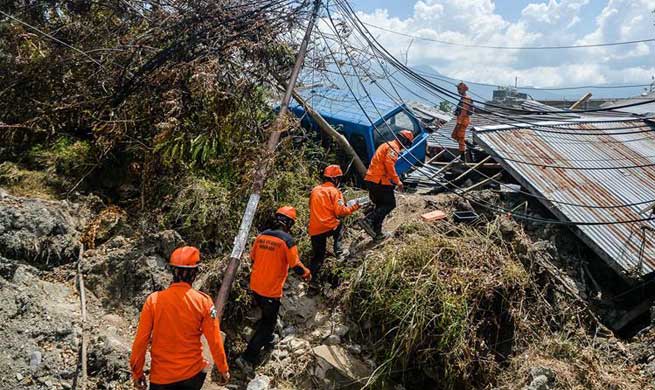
<point x="172" y="321"/>
<point x="382" y="169"/>
<point x="326" y="204"/>
<point x="272" y="254"/>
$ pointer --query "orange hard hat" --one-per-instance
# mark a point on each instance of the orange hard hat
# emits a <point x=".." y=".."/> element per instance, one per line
<point x="407" y="135"/>
<point x="185" y="257"/>
<point x="462" y="87"/>
<point x="287" y="211"/>
<point x="333" y="171"/>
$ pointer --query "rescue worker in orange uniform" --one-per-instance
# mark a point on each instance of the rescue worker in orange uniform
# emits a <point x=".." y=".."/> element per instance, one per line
<point x="326" y="206"/>
<point x="273" y="253"/>
<point x="463" y="113"/>
<point x="381" y="178"/>
<point x="172" y="322"/>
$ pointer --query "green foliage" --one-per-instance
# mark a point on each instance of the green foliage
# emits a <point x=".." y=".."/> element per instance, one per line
<point x="65" y="156"/>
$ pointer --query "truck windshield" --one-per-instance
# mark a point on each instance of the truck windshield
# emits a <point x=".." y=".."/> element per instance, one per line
<point x="387" y="131"/>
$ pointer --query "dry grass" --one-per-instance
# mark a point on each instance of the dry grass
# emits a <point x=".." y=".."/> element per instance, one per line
<point x="450" y="306"/>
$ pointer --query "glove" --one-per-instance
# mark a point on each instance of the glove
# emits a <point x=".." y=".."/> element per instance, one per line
<point x="356" y="207"/>
<point x="141" y="383"/>
<point x="223" y="378"/>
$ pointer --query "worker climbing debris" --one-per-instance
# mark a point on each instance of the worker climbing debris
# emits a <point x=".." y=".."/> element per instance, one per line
<point x="172" y="322"/>
<point x="273" y="253"/>
<point x="381" y="178"/>
<point x="326" y="206"/>
<point x="463" y="113"/>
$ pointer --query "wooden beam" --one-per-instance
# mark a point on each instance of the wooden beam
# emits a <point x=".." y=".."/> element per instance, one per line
<point x="581" y="101"/>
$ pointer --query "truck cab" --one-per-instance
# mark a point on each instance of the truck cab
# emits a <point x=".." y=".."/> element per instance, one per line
<point x="366" y="123"/>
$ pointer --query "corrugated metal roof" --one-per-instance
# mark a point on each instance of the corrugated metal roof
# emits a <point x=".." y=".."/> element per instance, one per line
<point x="338" y="104"/>
<point x="599" y="173"/>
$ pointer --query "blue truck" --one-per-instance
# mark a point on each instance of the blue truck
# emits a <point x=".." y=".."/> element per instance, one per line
<point x="365" y="129"/>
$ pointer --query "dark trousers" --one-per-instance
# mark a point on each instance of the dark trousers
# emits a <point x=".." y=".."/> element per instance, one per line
<point x="319" y="247"/>
<point x="193" y="383"/>
<point x="384" y="200"/>
<point x="265" y="327"/>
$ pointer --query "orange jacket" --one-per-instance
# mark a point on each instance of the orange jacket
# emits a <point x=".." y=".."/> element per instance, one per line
<point x="382" y="169"/>
<point x="172" y="321"/>
<point x="326" y="204"/>
<point x="464" y="109"/>
<point x="272" y="254"/>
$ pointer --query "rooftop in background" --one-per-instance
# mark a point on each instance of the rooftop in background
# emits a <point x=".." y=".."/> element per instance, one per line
<point x="643" y="109"/>
<point x="599" y="171"/>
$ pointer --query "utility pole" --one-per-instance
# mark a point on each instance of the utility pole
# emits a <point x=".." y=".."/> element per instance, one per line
<point x="260" y="175"/>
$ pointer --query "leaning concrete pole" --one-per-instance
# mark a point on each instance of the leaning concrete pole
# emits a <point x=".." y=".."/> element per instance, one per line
<point x="260" y="175"/>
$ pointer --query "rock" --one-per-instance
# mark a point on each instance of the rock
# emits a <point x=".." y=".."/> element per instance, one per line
<point x="166" y="241"/>
<point x="19" y="376"/>
<point x="289" y="330"/>
<point x="261" y="382"/>
<point x="341" y="360"/>
<point x="35" y="360"/>
<point x="538" y="383"/>
<point x="341" y="330"/>
<point x="356" y="349"/>
<point x="43" y="233"/>
<point x="333" y="340"/>
<point x="542" y="378"/>
<point x="542" y="371"/>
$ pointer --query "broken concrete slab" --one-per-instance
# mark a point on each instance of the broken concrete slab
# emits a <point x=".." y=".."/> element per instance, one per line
<point x="343" y="361"/>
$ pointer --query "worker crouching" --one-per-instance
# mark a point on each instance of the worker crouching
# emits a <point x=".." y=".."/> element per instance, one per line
<point x="273" y="253"/>
<point x="172" y="322"/>
<point x="381" y="178"/>
<point x="326" y="206"/>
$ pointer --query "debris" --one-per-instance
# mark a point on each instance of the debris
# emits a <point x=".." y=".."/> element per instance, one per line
<point x="261" y="382"/>
<point x="465" y="216"/>
<point x="35" y="360"/>
<point x="333" y="340"/>
<point x="433" y="216"/>
<point x="341" y="360"/>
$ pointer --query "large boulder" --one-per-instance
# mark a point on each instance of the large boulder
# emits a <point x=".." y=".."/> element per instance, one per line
<point x="40" y="232"/>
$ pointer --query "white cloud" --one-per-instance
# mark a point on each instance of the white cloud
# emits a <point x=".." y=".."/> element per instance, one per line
<point x="550" y="22"/>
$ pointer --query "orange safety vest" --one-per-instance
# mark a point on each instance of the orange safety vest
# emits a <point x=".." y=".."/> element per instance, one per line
<point x="272" y="254"/>
<point x="172" y="321"/>
<point x="382" y="169"/>
<point x="326" y="204"/>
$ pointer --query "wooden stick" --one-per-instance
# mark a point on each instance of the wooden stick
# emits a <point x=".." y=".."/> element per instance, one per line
<point x="478" y="184"/>
<point x="85" y="337"/>
<point x="471" y="169"/>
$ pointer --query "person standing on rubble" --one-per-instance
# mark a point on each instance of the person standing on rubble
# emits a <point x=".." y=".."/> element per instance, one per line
<point x="463" y="113"/>
<point x="381" y="178"/>
<point x="172" y="322"/>
<point x="273" y="253"/>
<point x="326" y="206"/>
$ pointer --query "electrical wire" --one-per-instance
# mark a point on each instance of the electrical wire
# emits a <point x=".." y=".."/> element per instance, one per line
<point x="482" y="203"/>
<point x="478" y="46"/>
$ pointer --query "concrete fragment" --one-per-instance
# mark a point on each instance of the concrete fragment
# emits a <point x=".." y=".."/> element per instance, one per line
<point x="341" y="360"/>
<point x="261" y="382"/>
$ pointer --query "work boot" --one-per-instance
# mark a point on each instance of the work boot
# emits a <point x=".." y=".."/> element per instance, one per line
<point x="368" y="228"/>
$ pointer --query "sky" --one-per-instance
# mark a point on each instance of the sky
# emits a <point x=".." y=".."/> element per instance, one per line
<point x="521" y="23"/>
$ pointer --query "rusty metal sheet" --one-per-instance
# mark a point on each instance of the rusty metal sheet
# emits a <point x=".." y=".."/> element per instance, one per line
<point x="588" y="170"/>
